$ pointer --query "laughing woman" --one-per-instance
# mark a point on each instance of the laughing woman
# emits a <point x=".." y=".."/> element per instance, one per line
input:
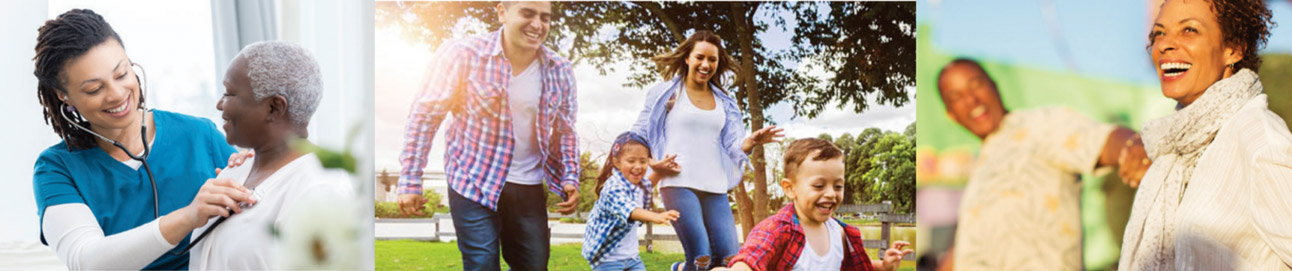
<point x="1217" y="194"/>
<point x="691" y="118"/>
<point x="127" y="184"/>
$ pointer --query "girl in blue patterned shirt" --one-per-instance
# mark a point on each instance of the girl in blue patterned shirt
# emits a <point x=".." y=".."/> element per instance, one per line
<point x="610" y="242"/>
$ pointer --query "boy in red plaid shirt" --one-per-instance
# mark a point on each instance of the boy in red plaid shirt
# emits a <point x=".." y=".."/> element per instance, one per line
<point x="803" y="235"/>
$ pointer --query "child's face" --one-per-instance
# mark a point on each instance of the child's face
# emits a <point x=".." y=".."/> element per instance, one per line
<point x="816" y="188"/>
<point x="632" y="162"/>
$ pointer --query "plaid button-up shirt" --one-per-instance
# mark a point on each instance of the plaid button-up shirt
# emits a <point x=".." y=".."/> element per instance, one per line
<point x="609" y="222"/>
<point x="469" y="77"/>
<point x="776" y="243"/>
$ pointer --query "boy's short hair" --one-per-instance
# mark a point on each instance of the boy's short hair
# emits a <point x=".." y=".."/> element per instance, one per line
<point x="800" y="149"/>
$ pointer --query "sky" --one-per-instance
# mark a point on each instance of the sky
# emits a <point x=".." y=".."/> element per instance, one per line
<point x="1098" y="38"/>
<point x="606" y="108"/>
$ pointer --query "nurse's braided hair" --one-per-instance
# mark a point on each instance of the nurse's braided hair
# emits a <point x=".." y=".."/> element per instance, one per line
<point x="58" y="42"/>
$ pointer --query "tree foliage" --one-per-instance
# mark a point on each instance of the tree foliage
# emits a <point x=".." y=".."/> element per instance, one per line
<point x="880" y="167"/>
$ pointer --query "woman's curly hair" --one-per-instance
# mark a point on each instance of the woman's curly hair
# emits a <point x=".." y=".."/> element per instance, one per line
<point x="1244" y="24"/>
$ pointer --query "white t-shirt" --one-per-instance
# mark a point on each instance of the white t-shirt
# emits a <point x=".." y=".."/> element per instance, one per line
<point x="524" y="92"/>
<point x="694" y="135"/>
<point x="832" y="260"/>
<point x="243" y="241"/>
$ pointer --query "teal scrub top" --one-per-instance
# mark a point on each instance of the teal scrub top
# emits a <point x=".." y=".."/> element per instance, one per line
<point x="186" y="150"/>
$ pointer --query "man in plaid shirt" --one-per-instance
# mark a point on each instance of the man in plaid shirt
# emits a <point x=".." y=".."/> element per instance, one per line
<point x="514" y="105"/>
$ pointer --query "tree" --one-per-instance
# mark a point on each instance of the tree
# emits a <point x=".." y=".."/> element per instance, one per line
<point x="867" y="49"/>
<point x="880" y="167"/>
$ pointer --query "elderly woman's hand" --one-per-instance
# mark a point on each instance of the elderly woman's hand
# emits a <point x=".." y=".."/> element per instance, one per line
<point x="1133" y="162"/>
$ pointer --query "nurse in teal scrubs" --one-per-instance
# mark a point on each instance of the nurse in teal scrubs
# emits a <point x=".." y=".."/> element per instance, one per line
<point x="96" y="204"/>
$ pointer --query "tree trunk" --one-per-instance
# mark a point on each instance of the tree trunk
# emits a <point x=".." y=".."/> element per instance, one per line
<point x="743" y="204"/>
<point x="748" y="82"/>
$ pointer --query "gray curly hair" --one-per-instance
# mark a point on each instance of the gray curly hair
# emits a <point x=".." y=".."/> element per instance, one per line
<point x="286" y="69"/>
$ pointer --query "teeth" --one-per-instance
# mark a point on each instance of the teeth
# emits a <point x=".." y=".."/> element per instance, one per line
<point x="704" y="72"/>
<point x="531" y="34"/>
<point x="119" y="109"/>
<point x="1175" y="66"/>
<point x="978" y="111"/>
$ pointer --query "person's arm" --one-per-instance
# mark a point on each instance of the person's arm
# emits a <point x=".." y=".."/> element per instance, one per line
<point x="1125" y="149"/>
<point x="1113" y="146"/>
<point x="568" y="141"/>
<point x="76" y="238"/>
<point x="892" y="257"/>
<point x="765" y="135"/>
<point x="640" y="214"/>
<point x="439" y="95"/>
<point x="760" y="247"/>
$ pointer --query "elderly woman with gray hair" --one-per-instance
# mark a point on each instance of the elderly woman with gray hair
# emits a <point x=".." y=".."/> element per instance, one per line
<point x="271" y="90"/>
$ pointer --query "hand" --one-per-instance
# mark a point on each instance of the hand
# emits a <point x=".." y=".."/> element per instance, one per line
<point x="666" y="167"/>
<point x="665" y="217"/>
<point x="571" y="200"/>
<point x="765" y="135"/>
<point x="893" y="256"/>
<point x="412" y="204"/>
<point x="217" y="197"/>
<point x="1133" y="162"/>
<point x="236" y="159"/>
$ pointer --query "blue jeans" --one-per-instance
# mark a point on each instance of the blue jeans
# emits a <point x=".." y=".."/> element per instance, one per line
<point x="705" y="227"/>
<point x="519" y="226"/>
<point x="634" y="264"/>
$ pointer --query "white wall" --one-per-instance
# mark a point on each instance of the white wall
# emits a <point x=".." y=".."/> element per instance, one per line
<point x="24" y="134"/>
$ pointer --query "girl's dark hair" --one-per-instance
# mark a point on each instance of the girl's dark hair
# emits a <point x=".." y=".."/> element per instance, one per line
<point x="624" y="139"/>
<point x="673" y="64"/>
<point x="58" y="42"/>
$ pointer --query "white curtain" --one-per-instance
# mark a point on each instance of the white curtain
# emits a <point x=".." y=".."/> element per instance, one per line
<point x="236" y="24"/>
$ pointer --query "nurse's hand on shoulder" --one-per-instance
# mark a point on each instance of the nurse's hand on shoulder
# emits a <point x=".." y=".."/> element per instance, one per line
<point x="218" y="197"/>
<point x="236" y="159"/>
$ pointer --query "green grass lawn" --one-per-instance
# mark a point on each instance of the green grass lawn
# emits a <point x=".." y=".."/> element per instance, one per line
<point x="418" y="255"/>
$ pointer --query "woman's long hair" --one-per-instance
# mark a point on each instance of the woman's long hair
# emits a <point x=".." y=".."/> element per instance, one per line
<point x="673" y="64"/>
<point x="621" y="141"/>
<point x="58" y="42"/>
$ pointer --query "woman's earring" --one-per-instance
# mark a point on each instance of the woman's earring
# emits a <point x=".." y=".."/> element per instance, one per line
<point x="69" y="108"/>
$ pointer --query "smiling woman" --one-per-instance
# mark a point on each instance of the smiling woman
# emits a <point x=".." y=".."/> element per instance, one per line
<point x="1221" y="142"/>
<point x="94" y="212"/>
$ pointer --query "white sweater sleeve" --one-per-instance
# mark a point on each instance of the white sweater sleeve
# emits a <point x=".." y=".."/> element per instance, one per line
<point x="75" y="236"/>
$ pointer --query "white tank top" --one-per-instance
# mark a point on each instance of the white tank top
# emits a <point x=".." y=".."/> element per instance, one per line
<point x="694" y="135"/>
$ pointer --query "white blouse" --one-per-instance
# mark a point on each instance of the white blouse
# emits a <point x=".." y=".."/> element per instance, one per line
<point x="244" y="240"/>
<point x="1236" y="211"/>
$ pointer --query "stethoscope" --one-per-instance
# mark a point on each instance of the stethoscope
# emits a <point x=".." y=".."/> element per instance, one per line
<point x="143" y="135"/>
<point x="143" y="158"/>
